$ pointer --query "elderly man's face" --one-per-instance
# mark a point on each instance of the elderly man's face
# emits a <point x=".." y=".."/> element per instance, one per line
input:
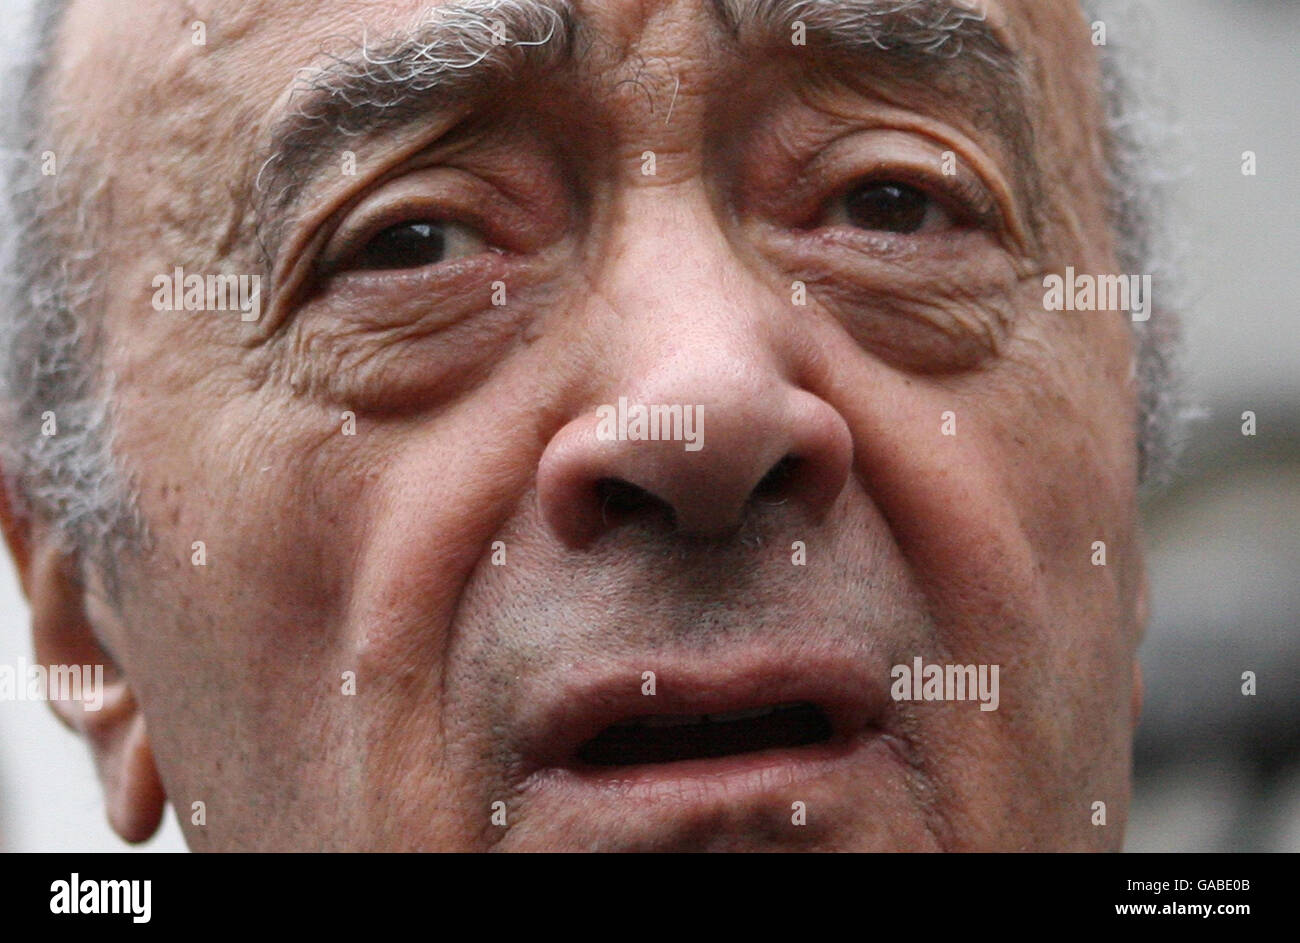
<point x="437" y="575"/>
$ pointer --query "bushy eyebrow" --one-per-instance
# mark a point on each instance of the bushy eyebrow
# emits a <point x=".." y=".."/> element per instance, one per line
<point x="453" y="53"/>
<point x="946" y="28"/>
<point x="949" y="45"/>
<point x="467" y="50"/>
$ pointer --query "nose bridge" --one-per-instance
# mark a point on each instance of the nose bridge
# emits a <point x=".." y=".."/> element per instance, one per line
<point x="693" y="323"/>
<point x="675" y="285"/>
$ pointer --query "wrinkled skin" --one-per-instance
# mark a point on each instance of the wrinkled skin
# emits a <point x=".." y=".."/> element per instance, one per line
<point x="372" y="553"/>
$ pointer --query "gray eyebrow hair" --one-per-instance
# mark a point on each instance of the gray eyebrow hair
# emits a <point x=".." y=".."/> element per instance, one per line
<point x="948" y="43"/>
<point x="938" y="29"/>
<point x="452" y="53"/>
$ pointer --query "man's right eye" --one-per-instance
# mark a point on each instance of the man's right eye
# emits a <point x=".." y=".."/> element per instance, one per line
<point x="415" y="244"/>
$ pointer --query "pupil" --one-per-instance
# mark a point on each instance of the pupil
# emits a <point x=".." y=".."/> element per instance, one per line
<point x="888" y="207"/>
<point x="407" y="245"/>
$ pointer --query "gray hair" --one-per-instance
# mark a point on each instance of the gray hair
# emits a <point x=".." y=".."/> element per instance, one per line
<point x="1142" y="168"/>
<point x="51" y="379"/>
<point x="48" y="287"/>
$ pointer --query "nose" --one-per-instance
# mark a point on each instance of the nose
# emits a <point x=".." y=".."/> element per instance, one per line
<point x="716" y="359"/>
<point x="756" y="444"/>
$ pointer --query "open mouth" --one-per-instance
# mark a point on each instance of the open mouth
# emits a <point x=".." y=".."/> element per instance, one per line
<point x="670" y="738"/>
<point x="716" y="728"/>
<point x="715" y="753"/>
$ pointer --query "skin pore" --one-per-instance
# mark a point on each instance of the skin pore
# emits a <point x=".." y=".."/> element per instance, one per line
<point x="371" y="556"/>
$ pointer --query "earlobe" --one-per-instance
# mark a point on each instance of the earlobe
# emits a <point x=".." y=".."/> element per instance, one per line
<point x="134" y="797"/>
<point x="73" y="626"/>
<point x="134" y="792"/>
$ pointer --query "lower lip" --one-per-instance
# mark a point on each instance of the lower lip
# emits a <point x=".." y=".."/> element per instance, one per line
<point x="718" y="779"/>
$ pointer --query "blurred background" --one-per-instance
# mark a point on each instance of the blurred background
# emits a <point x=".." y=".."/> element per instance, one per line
<point x="1215" y="770"/>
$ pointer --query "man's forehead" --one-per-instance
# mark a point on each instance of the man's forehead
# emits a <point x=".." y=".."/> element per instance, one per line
<point x="300" y="23"/>
<point x="257" y="44"/>
<point x="252" y="50"/>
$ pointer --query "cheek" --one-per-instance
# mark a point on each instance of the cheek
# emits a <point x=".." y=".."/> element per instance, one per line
<point x="236" y="639"/>
<point x="997" y="481"/>
<point x="995" y="485"/>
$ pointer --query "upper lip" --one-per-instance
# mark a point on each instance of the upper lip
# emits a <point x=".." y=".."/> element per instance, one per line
<point x="556" y="725"/>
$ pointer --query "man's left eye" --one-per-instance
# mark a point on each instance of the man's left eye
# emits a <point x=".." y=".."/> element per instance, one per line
<point x="886" y="206"/>
<point x="416" y="244"/>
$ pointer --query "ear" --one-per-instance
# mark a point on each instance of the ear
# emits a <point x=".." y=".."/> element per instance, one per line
<point x="69" y="626"/>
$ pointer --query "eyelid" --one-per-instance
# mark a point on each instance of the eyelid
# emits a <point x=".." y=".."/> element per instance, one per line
<point x="432" y="193"/>
<point x="906" y="149"/>
<point x="349" y="239"/>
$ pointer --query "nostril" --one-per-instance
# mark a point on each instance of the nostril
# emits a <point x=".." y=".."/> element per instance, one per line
<point x="773" y="451"/>
<point x="775" y="485"/>
<point x="620" y="500"/>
